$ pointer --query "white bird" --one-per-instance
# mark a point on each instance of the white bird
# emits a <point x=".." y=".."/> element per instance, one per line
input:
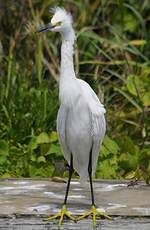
<point x="80" y="122"/>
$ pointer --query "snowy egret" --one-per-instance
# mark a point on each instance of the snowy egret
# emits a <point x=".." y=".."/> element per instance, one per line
<point x="80" y="121"/>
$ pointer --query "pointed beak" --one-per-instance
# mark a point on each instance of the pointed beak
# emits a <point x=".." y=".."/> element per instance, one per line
<point x="45" y="28"/>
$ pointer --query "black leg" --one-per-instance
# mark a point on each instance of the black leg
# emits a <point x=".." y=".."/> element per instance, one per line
<point x="70" y="175"/>
<point x="90" y="177"/>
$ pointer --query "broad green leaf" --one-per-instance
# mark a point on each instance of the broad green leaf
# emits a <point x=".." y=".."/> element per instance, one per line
<point x="41" y="159"/>
<point x="43" y="138"/>
<point x="54" y="148"/>
<point x="53" y="137"/>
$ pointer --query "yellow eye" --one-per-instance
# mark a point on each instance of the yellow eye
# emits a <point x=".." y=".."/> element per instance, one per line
<point x="58" y="23"/>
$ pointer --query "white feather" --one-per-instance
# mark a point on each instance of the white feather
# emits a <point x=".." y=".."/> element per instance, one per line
<point x="60" y="14"/>
<point x="81" y="126"/>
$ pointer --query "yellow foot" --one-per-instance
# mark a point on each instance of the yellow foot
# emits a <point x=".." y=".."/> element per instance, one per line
<point x="61" y="215"/>
<point x="94" y="212"/>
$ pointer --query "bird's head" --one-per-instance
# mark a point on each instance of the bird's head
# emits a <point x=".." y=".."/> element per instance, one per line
<point x="60" y="22"/>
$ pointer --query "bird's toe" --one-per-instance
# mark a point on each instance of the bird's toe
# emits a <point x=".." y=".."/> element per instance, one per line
<point x="63" y="213"/>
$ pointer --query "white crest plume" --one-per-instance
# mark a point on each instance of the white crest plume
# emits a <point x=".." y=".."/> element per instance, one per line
<point x="60" y="12"/>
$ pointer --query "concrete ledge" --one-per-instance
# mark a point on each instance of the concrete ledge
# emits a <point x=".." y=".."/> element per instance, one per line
<point x="25" y="203"/>
<point x="28" y="222"/>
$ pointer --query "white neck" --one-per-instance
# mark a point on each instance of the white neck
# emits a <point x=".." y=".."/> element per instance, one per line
<point x="67" y="51"/>
<point x="68" y="82"/>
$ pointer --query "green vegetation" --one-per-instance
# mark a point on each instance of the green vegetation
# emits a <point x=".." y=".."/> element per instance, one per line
<point x="112" y="55"/>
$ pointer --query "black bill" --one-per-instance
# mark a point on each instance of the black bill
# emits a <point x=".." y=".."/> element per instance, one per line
<point x="45" y="28"/>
